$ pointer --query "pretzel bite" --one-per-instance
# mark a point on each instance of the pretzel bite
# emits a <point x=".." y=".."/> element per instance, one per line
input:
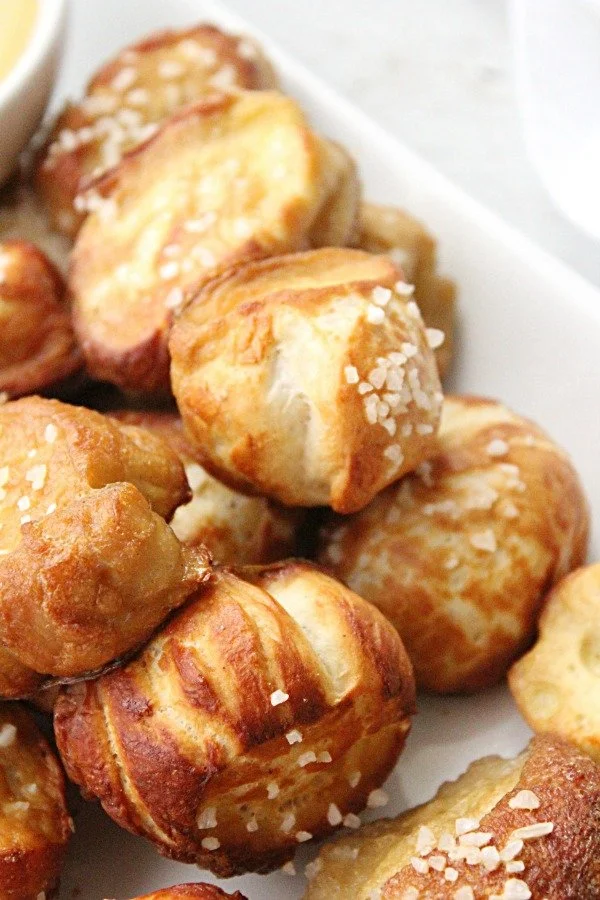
<point x="460" y="555"/>
<point x="129" y="97"/>
<point x="37" y="344"/>
<point x="192" y="892"/>
<point x="34" y="822"/>
<point x="308" y="378"/>
<point x="88" y="566"/>
<point x="385" y="229"/>
<point x="264" y="714"/>
<point x="511" y="829"/>
<point x="234" y="177"/>
<point x="556" y="684"/>
<point x="235" y="528"/>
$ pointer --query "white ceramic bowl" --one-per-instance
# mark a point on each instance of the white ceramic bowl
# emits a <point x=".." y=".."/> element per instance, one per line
<point x="26" y="89"/>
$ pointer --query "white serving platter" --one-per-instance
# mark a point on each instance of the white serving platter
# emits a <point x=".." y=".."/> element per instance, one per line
<point x="530" y="335"/>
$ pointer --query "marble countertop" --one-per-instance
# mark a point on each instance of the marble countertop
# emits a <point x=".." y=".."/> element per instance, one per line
<point x="437" y="74"/>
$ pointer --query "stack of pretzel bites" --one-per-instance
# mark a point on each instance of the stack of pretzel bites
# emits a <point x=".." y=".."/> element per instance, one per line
<point x="188" y="255"/>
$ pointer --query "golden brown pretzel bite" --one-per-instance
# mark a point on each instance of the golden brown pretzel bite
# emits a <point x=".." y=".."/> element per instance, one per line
<point x="129" y="97"/>
<point x="556" y="684"/>
<point x="386" y="229"/>
<point x="235" y="177"/>
<point x="460" y="555"/>
<point x="88" y="568"/>
<point x="237" y="529"/>
<point x="308" y="378"/>
<point x="34" y="822"/>
<point x="192" y="892"/>
<point x="264" y="713"/>
<point x="511" y="829"/>
<point x="37" y="344"/>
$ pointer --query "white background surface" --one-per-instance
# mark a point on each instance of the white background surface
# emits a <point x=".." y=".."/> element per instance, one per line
<point x="437" y="74"/>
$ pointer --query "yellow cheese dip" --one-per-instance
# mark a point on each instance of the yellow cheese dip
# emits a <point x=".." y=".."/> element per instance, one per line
<point x="17" y="18"/>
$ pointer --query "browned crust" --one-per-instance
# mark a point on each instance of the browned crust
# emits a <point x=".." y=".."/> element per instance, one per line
<point x="123" y="325"/>
<point x="61" y="176"/>
<point x="302" y="437"/>
<point x="565" y="863"/>
<point x="192" y="892"/>
<point x="222" y="657"/>
<point x="34" y="846"/>
<point x="37" y="344"/>
<point x="466" y="613"/>
<point x="91" y="569"/>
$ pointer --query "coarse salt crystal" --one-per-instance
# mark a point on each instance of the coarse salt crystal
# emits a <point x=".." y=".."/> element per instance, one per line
<point x="278" y="697"/>
<point x="530" y="832"/>
<point x="8" y="733"/>
<point x="294" y="736"/>
<point x="377" y="377"/>
<point x="390" y="426"/>
<point x="437" y="862"/>
<point x="512" y="849"/>
<point x="365" y="388"/>
<point x="377" y="799"/>
<point x="513" y="866"/>
<point x="288" y="868"/>
<point x="394" y="453"/>
<point x="4" y="475"/>
<point x="484" y="540"/>
<point x="421" y="866"/>
<point x="404" y="289"/>
<point x="50" y="433"/>
<point x="464" y="825"/>
<point x="324" y="756"/>
<point x="352" y="821"/>
<point x="354" y="778"/>
<point x="307" y="758"/>
<point x="381" y="295"/>
<point x="524" y="800"/>
<point x="446" y="842"/>
<point x="476" y="838"/>
<point x="435" y="337"/>
<point x="210" y="843"/>
<point x="23" y="503"/>
<point x="490" y="858"/>
<point x="375" y="314"/>
<point x="313" y="868"/>
<point x="207" y="818"/>
<point x="302" y="836"/>
<point x="334" y="816"/>
<point x="450" y="874"/>
<point x="288" y="822"/>
<point x="51" y="509"/>
<point x="425" y="840"/>
<point x="272" y="790"/>
<point x="497" y="447"/>
<point x="252" y="825"/>
<point x="123" y="79"/>
<point x="351" y="374"/>
<point x="464" y="893"/>
<point x="37" y="476"/>
<point x="169" y="270"/>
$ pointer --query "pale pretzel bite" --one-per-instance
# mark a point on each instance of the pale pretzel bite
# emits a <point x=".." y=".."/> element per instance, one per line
<point x="557" y="684"/>
<point x="459" y="555"/>
<point x="386" y="229"/>
<point x="267" y="712"/>
<point x="37" y="343"/>
<point x="197" y="891"/>
<point x="23" y="218"/>
<point x="88" y="565"/>
<point x="508" y="829"/>
<point x="235" y="528"/>
<point x="308" y="378"/>
<point x="229" y="179"/>
<point x="128" y="99"/>
<point x="35" y="826"/>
